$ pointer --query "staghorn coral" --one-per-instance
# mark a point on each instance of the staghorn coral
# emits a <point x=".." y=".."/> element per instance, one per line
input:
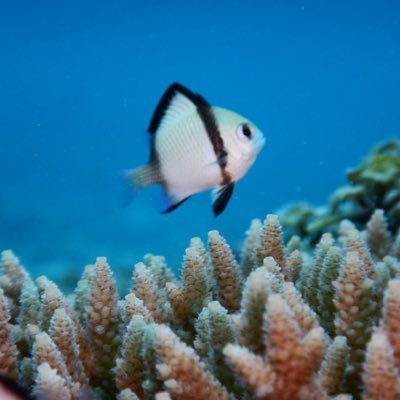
<point x="127" y="394"/>
<point x="295" y="327"/>
<point x="270" y="242"/>
<point x="258" y="286"/>
<point x="249" y="247"/>
<point x="329" y="272"/>
<point x="334" y="365"/>
<point x="101" y="320"/>
<point x="378" y="236"/>
<point x="310" y="275"/>
<point x="184" y="374"/>
<point x="44" y="350"/>
<point x="215" y="329"/>
<point x="291" y="357"/>
<point x="50" y="385"/>
<point x="130" y="370"/>
<point x="354" y="317"/>
<point x="226" y="271"/>
<point x="8" y="350"/>
<point x="146" y="289"/>
<point x="381" y="378"/>
<point x="63" y="331"/>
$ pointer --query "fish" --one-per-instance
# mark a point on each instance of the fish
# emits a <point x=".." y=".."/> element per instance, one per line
<point x="195" y="147"/>
<point x="10" y="390"/>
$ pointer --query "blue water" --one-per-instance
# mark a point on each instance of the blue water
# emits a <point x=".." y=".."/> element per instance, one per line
<point x="79" y="82"/>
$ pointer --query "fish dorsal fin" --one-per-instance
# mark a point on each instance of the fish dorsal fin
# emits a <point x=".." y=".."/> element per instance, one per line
<point x="221" y="196"/>
<point x="176" y="103"/>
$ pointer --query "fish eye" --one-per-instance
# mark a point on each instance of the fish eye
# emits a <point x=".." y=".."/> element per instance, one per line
<point x="244" y="132"/>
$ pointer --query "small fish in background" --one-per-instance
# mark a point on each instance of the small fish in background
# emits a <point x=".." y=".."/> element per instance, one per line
<point x="10" y="390"/>
<point x="196" y="147"/>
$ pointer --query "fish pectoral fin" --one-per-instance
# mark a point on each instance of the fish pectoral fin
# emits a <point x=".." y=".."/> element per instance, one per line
<point x="218" y="162"/>
<point x="221" y="196"/>
<point x="169" y="202"/>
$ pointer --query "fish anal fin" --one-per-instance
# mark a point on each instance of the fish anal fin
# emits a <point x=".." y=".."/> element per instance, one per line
<point x="221" y="197"/>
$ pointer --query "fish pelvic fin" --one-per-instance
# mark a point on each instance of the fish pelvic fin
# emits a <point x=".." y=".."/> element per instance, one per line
<point x="169" y="202"/>
<point x="221" y="196"/>
<point x="136" y="179"/>
<point x="172" y="207"/>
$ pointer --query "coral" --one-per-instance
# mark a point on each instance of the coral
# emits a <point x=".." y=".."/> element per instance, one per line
<point x="184" y="374"/>
<point x="127" y="394"/>
<point x="391" y="320"/>
<point x="130" y="370"/>
<point x="226" y="271"/>
<point x="378" y="180"/>
<point x="310" y="275"/>
<point x="378" y="236"/>
<point x="101" y="320"/>
<point x="293" y="265"/>
<point x="270" y="242"/>
<point x="374" y="184"/>
<point x="354" y="317"/>
<point x="291" y="358"/>
<point x="63" y="331"/>
<point x="285" y="322"/>
<point x="258" y="286"/>
<point x="328" y="273"/>
<point x="214" y="330"/>
<point x="249" y="247"/>
<point x="44" y="350"/>
<point x="146" y="289"/>
<point x="305" y="317"/>
<point x="50" y="385"/>
<point x="381" y="378"/>
<point x="334" y="365"/>
<point x="8" y="350"/>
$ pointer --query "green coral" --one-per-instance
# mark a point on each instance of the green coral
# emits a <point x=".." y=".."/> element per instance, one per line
<point x="374" y="184"/>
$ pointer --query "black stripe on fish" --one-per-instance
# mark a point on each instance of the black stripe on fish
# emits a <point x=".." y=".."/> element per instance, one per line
<point x="210" y="123"/>
<point x="207" y="117"/>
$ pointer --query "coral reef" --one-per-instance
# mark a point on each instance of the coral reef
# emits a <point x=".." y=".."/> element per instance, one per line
<point x="281" y="323"/>
<point x="374" y="184"/>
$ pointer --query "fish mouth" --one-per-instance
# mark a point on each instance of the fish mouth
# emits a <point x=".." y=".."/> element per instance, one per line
<point x="259" y="143"/>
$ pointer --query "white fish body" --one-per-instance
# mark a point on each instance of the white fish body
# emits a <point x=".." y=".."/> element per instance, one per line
<point x="197" y="147"/>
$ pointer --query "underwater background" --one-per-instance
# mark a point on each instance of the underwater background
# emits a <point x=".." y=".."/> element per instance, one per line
<point x="79" y="82"/>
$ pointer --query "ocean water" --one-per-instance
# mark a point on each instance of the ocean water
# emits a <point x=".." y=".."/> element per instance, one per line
<point x="79" y="82"/>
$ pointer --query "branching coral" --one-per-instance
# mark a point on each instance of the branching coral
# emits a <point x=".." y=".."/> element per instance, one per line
<point x="381" y="378"/>
<point x="291" y="359"/>
<point x="184" y="374"/>
<point x="279" y="324"/>
<point x="8" y="350"/>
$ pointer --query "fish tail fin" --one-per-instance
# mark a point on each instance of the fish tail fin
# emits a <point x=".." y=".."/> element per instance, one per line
<point x="135" y="179"/>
